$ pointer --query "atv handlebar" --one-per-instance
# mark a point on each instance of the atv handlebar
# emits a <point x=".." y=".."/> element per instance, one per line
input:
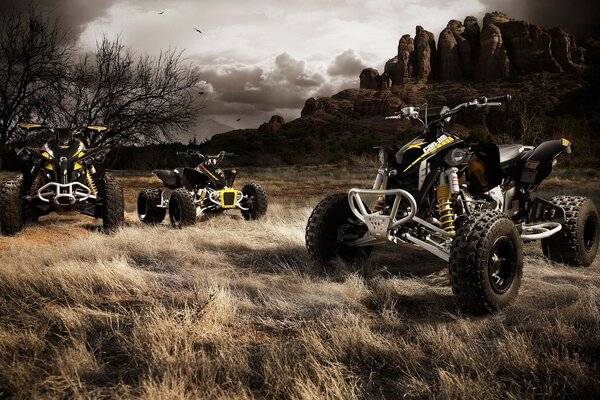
<point x="196" y="153"/>
<point x="413" y="112"/>
<point x="500" y="99"/>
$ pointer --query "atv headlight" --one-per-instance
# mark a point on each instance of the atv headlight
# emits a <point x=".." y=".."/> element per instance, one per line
<point x="456" y="157"/>
<point x="98" y="157"/>
<point x="25" y="156"/>
<point x="383" y="157"/>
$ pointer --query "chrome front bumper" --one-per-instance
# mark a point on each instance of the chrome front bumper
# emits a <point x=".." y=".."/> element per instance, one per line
<point x="71" y="192"/>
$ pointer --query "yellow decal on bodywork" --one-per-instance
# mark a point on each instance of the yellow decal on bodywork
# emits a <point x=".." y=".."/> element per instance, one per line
<point x="27" y="126"/>
<point x="97" y="128"/>
<point x="432" y="147"/>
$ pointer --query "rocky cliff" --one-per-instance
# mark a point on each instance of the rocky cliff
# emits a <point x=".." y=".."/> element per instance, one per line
<point x="500" y="48"/>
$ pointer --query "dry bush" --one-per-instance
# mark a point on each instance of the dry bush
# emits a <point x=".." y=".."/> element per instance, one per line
<point x="235" y="309"/>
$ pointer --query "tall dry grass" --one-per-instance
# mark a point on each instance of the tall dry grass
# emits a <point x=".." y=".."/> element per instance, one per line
<point x="235" y="309"/>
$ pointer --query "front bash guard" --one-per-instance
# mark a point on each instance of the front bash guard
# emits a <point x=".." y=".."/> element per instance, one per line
<point x="381" y="226"/>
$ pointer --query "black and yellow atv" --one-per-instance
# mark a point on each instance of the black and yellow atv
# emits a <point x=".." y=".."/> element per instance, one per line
<point x="62" y="176"/>
<point x="202" y="190"/>
<point x="470" y="203"/>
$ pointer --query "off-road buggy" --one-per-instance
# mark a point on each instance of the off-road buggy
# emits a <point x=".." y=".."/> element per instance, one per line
<point x="200" y="191"/>
<point x="62" y="176"/>
<point x="471" y="203"/>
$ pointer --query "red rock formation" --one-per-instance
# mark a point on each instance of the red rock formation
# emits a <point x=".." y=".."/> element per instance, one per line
<point x="400" y="68"/>
<point x="495" y="18"/>
<point x="370" y="79"/>
<point x="529" y="48"/>
<point x="578" y="55"/>
<point x="473" y="34"/>
<point x="493" y="62"/>
<point x="425" y="53"/>
<point x="563" y="46"/>
<point x="448" y="56"/>
<point x="467" y="52"/>
<point x="274" y="124"/>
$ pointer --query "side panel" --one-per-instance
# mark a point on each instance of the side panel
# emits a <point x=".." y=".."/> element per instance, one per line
<point x="537" y="165"/>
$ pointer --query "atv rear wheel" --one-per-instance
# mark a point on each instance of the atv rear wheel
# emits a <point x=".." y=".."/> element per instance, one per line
<point x="256" y="201"/>
<point x="148" y="208"/>
<point x="576" y="244"/>
<point x="330" y="226"/>
<point x="113" y="213"/>
<point x="182" y="210"/>
<point x="12" y="217"/>
<point x="486" y="262"/>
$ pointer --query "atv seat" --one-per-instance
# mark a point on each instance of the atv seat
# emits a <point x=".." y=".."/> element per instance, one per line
<point x="170" y="178"/>
<point x="510" y="152"/>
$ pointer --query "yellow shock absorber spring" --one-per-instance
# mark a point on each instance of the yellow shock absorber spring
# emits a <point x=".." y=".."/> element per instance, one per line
<point x="379" y="204"/>
<point x="91" y="183"/>
<point x="35" y="185"/>
<point x="444" y="203"/>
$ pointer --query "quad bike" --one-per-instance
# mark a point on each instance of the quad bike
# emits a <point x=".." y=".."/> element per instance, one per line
<point x="471" y="203"/>
<point x="203" y="190"/>
<point x="62" y="176"/>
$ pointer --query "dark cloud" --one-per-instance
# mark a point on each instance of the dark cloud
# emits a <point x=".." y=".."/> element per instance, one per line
<point x="579" y="17"/>
<point x="73" y="15"/>
<point x="287" y="85"/>
<point x="347" y="63"/>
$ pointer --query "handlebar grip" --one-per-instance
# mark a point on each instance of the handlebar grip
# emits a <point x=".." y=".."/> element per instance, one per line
<point x="500" y="99"/>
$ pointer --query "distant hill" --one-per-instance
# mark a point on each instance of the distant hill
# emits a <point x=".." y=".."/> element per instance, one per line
<point x="204" y="129"/>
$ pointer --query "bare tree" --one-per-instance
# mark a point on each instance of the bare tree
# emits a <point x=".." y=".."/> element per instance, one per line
<point x="33" y="55"/>
<point x="141" y="98"/>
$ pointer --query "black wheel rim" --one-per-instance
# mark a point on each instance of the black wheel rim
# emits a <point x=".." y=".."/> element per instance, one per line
<point x="142" y="208"/>
<point x="250" y="204"/>
<point x="349" y="231"/>
<point x="589" y="232"/>
<point x="502" y="265"/>
<point x="175" y="212"/>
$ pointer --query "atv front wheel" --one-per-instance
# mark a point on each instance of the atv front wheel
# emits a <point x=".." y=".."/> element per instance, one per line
<point x="256" y="201"/>
<point x="576" y="244"/>
<point x="148" y="208"/>
<point x="113" y="214"/>
<point x="182" y="210"/>
<point x="330" y="226"/>
<point x="486" y="262"/>
<point x="12" y="218"/>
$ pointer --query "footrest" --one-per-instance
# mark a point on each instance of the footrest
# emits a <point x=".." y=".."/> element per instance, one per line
<point x="544" y="211"/>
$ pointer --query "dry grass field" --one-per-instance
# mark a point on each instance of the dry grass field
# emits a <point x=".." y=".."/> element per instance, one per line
<point x="235" y="309"/>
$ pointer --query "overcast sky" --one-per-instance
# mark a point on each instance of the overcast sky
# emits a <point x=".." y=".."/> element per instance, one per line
<point x="264" y="57"/>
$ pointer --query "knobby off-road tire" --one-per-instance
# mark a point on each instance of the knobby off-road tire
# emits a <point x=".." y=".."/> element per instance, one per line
<point x="148" y="208"/>
<point x="256" y="202"/>
<point x="576" y="244"/>
<point x="182" y="210"/>
<point x="486" y="262"/>
<point x="12" y="217"/>
<point x="113" y="213"/>
<point x="329" y="222"/>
